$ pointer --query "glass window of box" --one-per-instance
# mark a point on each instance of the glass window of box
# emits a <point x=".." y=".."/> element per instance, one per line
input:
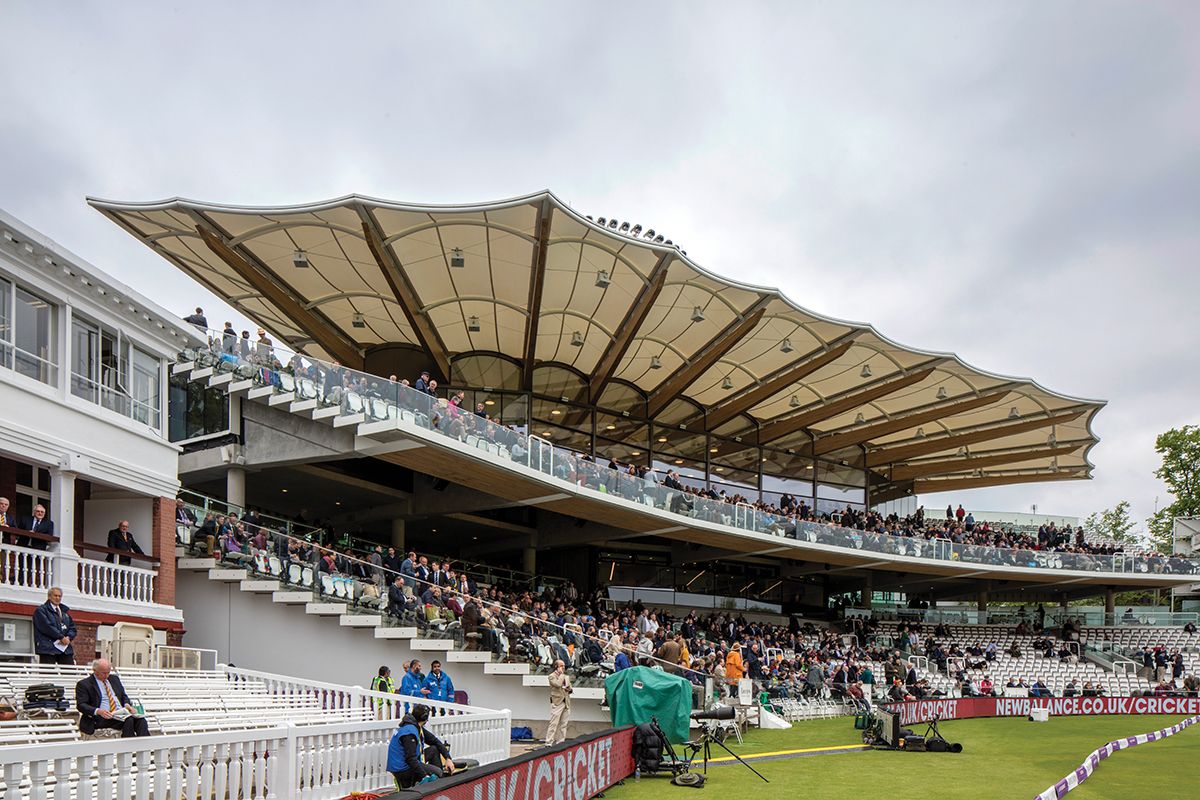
<point x="619" y="396"/>
<point x="195" y="411"/>
<point x="108" y="371"/>
<point x="27" y="332"/>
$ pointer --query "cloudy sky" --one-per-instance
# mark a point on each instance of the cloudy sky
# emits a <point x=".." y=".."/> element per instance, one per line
<point x="1015" y="182"/>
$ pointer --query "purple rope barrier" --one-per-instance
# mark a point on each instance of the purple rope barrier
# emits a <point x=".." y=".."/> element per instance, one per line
<point x="1085" y="770"/>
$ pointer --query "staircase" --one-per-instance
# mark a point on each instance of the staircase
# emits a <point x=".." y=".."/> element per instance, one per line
<point x="393" y="644"/>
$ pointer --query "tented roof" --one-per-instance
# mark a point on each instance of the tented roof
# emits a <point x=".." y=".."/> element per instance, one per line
<point x="551" y="301"/>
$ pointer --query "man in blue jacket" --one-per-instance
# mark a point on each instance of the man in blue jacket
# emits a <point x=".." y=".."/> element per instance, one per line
<point x="413" y="748"/>
<point x="439" y="684"/>
<point x="53" y="630"/>
<point x="413" y="682"/>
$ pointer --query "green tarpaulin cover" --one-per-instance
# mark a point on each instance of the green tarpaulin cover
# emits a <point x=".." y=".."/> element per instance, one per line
<point x="639" y="693"/>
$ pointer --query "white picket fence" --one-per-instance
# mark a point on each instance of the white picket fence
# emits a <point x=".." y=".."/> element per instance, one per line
<point x="25" y="567"/>
<point x="309" y="761"/>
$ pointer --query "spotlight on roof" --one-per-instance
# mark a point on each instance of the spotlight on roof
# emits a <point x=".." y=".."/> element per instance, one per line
<point x="920" y="433"/>
<point x="1052" y="440"/>
<point x="589" y="218"/>
<point x="669" y="243"/>
<point x="1013" y="413"/>
<point x="859" y="419"/>
<point x="602" y="279"/>
<point x="866" y="371"/>
<point x="473" y="324"/>
<point x="577" y="339"/>
<point x="612" y="223"/>
<point x="637" y="230"/>
<point x="602" y="221"/>
<point x="624" y="227"/>
<point x="794" y="402"/>
<point x="358" y="321"/>
<point x="962" y="451"/>
<point x="941" y="395"/>
<point x="300" y="259"/>
<point x="727" y="383"/>
<point x="1054" y="465"/>
<point x="655" y="362"/>
<point x="456" y="258"/>
<point x="650" y="233"/>
<point x="658" y="239"/>
<point x="786" y="346"/>
<point x="697" y="314"/>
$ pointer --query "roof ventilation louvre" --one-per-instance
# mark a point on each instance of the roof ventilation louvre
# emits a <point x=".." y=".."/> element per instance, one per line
<point x="457" y="260"/>
<point x="300" y="259"/>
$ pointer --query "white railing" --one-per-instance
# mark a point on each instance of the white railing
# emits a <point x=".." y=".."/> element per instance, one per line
<point x="171" y="657"/>
<point x="26" y="567"/>
<point x="116" y="581"/>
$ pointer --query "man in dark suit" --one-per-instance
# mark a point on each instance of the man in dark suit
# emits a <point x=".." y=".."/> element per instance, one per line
<point x="37" y="524"/>
<point x="119" y="538"/>
<point x="100" y="697"/>
<point x="52" y="625"/>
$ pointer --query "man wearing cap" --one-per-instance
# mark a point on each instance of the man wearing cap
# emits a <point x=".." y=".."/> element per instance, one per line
<point x="422" y="384"/>
<point x="412" y="749"/>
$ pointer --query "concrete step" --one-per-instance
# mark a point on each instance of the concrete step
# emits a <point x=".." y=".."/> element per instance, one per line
<point x="220" y="379"/>
<point x="588" y="693"/>
<point x="291" y="596"/>
<point x="238" y="387"/>
<point x="282" y="399"/>
<point x="180" y="552"/>
<point x="182" y="367"/>
<point x="327" y="413"/>
<point x="396" y="633"/>
<point x="303" y="407"/>
<point x="470" y="656"/>
<point x="535" y="680"/>
<point x="360" y="620"/>
<point x="348" y="419"/>
<point x="325" y="609"/>
<point x="260" y="586"/>
<point x="260" y="391"/>
<point x="504" y="668"/>
<point x="228" y="574"/>
<point x="195" y="563"/>
<point x="437" y="645"/>
<point x="199" y="374"/>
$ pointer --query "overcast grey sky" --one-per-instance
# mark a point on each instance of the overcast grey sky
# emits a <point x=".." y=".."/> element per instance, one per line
<point x="1015" y="182"/>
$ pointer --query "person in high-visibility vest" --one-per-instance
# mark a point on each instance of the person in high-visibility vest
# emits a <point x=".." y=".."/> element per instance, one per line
<point x="383" y="683"/>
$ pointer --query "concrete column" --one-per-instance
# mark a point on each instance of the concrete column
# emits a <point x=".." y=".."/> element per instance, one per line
<point x="65" y="568"/>
<point x="1110" y="602"/>
<point x="398" y="535"/>
<point x="868" y="590"/>
<point x="529" y="555"/>
<point x="235" y="487"/>
<point x="983" y="602"/>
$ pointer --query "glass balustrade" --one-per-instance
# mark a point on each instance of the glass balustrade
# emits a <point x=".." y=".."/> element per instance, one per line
<point x="354" y="397"/>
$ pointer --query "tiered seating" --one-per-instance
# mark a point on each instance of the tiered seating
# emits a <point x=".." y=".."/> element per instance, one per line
<point x="175" y="701"/>
<point x="1030" y="666"/>
<point x="1128" y="640"/>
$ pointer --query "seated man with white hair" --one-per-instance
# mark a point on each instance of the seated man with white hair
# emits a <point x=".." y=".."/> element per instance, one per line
<point x="102" y="702"/>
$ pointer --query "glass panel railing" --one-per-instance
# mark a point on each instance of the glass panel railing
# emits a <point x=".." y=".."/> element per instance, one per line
<point x="352" y="397"/>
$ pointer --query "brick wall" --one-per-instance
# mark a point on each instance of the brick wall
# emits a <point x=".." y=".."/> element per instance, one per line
<point x="85" y="642"/>
<point x="164" y="550"/>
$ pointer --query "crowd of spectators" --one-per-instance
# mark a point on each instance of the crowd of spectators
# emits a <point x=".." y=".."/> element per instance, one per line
<point x="448" y="412"/>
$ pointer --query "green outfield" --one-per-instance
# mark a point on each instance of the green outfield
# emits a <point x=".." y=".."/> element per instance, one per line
<point x="1002" y="758"/>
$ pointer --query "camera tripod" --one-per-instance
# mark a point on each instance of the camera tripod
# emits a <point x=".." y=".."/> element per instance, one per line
<point x="703" y="747"/>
